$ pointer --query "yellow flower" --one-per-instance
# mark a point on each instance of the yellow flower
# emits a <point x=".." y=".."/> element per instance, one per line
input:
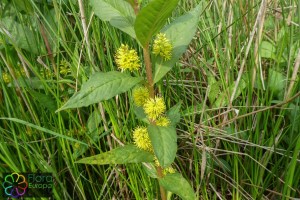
<point x="169" y="170"/>
<point x="6" y="77"/>
<point x="141" y="139"/>
<point x="20" y="73"/>
<point x="162" y="46"/>
<point x="23" y="73"/>
<point x="76" y="145"/>
<point x="162" y="121"/>
<point x="156" y="162"/>
<point x="140" y="95"/>
<point x="154" y="107"/>
<point x="127" y="58"/>
<point x="47" y="74"/>
<point x="29" y="131"/>
<point x="64" y="68"/>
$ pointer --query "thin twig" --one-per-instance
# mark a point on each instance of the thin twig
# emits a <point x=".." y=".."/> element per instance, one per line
<point x="84" y="27"/>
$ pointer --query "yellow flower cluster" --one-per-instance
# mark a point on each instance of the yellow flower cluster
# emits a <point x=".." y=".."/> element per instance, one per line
<point x="20" y="73"/>
<point x="162" y="121"/>
<point x="127" y="58"/>
<point x="162" y="46"/>
<point x="140" y="95"/>
<point x="154" y="107"/>
<point x="64" y="68"/>
<point x="156" y="163"/>
<point x="169" y="170"/>
<point x="76" y="145"/>
<point x="47" y="74"/>
<point x="6" y="77"/>
<point x="141" y="139"/>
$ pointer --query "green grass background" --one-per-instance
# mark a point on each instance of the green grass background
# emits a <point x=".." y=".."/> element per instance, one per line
<point x="239" y="149"/>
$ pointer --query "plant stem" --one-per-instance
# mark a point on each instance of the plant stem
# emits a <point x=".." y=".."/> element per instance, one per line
<point x="148" y="70"/>
<point x="148" y="65"/>
<point x="162" y="189"/>
<point x="136" y="7"/>
<point x="152" y="94"/>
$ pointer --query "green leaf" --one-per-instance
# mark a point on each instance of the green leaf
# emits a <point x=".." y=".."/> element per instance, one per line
<point x="101" y="86"/>
<point x="19" y="35"/>
<point x="214" y="91"/>
<point x="276" y="82"/>
<point x="223" y="99"/>
<point x="177" y="184"/>
<point x="51" y="26"/>
<point x="30" y="83"/>
<point x="180" y="32"/>
<point x="140" y="114"/>
<point x="94" y="121"/>
<point x="223" y="164"/>
<point x="268" y="50"/>
<point x="118" y="13"/>
<point x="131" y="2"/>
<point x="44" y="100"/>
<point x="173" y="114"/>
<point x="152" y="18"/>
<point x="22" y="5"/>
<point x="120" y="155"/>
<point x="150" y="170"/>
<point x="164" y="141"/>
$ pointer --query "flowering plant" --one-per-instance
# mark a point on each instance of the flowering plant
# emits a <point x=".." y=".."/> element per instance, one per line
<point x="155" y="144"/>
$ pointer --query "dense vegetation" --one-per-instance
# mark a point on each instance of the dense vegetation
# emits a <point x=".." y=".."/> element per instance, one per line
<point x="237" y="85"/>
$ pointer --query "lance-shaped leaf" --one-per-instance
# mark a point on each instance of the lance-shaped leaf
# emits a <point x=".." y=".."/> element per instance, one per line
<point x="150" y="169"/>
<point x="176" y="184"/>
<point x="140" y="114"/>
<point x="152" y="18"/>
<point x="118" y="13"/>
<point x="164" y="142"/>
<point x="21" y="5"/>
<point x="131" y="2"/>
<point x="120" y="155"/>
<point x="19" y="35"/>
<point x="174" y="115"/>
<point x="101" y="86"/>
<point x="223" y="98"/>
<point x="180" y="32"/>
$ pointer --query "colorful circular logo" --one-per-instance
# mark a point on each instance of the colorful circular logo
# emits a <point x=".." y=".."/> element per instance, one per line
<point x="15" y="185"/>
